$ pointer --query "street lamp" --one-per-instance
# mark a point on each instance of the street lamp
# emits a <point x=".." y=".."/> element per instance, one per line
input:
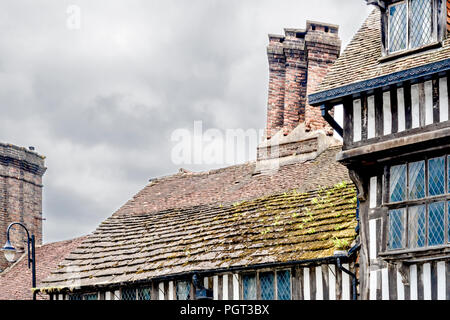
<point x="10" y="252"/>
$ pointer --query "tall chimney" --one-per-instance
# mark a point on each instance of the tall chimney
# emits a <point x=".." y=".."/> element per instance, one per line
<point x="295" y="84"/>
<point x="322" y="49"/>
<point x="277" y="72"/>
<point x="298" y="62"/>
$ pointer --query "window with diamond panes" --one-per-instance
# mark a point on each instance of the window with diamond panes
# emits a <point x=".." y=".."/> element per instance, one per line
<point x="410" y="24"/>
<point x="396" y="228"/>
<point x="416" y="172"/>
<point x="398" y="19"/>
<point x="424" y="221"/>
<point x="75" y="297"/>
<point x="128" y="294"/>
<point x="448" y="221"/>
<point x="421" y="23"/>
<point x="436" y="176"/>
<point x="398" y="183"/>
<point x="266" y="280"/>
<point x="284" y="285"/>
<point x="144" y="294"/>
<point x="436" y="224"/>
<point x="183" y="290"/>
<point x="91" y="296"/>
<point x="416" y="226"/>
<point x="249" y="286"/>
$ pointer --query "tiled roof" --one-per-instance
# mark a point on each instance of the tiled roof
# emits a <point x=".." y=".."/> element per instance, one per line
<point x="286" y="227"/>
<point x="360" y="61"/>
<point x="235" y="183"/>
<point x="15" y="282"/>
<point x="193" y="222"/>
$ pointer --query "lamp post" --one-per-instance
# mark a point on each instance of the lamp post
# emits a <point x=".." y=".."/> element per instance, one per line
<point x="10" y="252"/>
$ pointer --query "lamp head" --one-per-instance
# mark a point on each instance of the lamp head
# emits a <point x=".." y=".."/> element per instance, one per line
<point x="9" y="251"/>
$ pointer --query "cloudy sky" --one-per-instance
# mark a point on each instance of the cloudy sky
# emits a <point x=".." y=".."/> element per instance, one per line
<point x="101" y="96"/>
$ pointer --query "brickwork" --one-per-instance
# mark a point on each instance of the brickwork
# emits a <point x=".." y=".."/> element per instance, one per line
<point x="277" y="67"/>
<point x="323" y="47"/>
<point x="298" y="62"/>
<point x="21" y="174"/>
<point x="448" y="16"/>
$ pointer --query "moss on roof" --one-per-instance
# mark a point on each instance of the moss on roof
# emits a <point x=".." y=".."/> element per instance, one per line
<point x="290" y="226"/>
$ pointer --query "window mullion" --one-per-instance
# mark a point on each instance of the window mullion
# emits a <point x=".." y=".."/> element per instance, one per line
<point x="275" y="285"/>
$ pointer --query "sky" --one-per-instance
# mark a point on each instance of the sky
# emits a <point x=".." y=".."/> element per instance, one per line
<point x="100" y="87"/>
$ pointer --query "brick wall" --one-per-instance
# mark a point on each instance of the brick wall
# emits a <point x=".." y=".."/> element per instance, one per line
<point x="448" y="16"/>
<point x="323" y="47"/>
<point x="277" y="72"/>
<point x="298" y="62"/>
<point x="21" y="174"/>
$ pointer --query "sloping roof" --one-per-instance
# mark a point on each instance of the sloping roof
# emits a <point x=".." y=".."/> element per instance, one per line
<point x="15" y="282"/>
<point x="199" y="221"/>
<point x="360" y="61"/>
<point x="235" y="183"/>
<point x="286" y="227"/>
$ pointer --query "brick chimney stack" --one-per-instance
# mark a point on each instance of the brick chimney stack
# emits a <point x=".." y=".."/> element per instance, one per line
<point x="277" y="73"/>
<point x="323" y="47"/>
<point x="21" y="172"/>
<point x="298" y="62"/>
<point x="295" y="82"/>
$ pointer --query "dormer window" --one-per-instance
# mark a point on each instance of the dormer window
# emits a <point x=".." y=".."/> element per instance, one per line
<point x="411" y="24"/>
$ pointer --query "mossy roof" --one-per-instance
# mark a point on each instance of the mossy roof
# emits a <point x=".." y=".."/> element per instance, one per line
<point x="283" y="227"/>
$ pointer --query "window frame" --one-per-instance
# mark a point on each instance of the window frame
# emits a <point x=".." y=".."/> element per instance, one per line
<point x="257" y="274"/>
<point x="435" y="38"/>
<point x="408" y="203"/>
<point x="136" y="292"/>
<point x="189" y="296"/>
<point x="85" y="295"/>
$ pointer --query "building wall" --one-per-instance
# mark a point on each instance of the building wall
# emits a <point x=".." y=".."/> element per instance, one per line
<point x="426" y="278"/>
<point x="315" y="282"/>
<point x="21" y="172"/>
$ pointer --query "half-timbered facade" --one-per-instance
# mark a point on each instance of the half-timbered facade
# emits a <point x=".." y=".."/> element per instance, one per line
<point x="393" y="83"/>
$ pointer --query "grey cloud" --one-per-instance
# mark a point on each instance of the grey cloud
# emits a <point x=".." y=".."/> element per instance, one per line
<point x="105" y="99"/>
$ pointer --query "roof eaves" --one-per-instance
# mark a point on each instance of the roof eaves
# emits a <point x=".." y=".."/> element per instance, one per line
<point x="319" y="98"/>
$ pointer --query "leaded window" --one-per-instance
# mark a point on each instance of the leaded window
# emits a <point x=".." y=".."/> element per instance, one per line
<point x="75" y="296"/>
<point x="273" y="285"/>
<point x="396" y="229"/>
<point x="90" y="296"/>
<point x="284" y="285"/>
<point x="128" y="294"/>
<point x="183" y="290"/>
<point x="416" y="180"/>
<point x="249" y="286"/>
<point x="416" y="226"/>
<point x="144" y="293"/>
<point x="419" y="204"/>
<point x="267" y="286"/>
<point x="398" y="183"/>
<point x="436" y="176"/>
<point x="411" y="24"/>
